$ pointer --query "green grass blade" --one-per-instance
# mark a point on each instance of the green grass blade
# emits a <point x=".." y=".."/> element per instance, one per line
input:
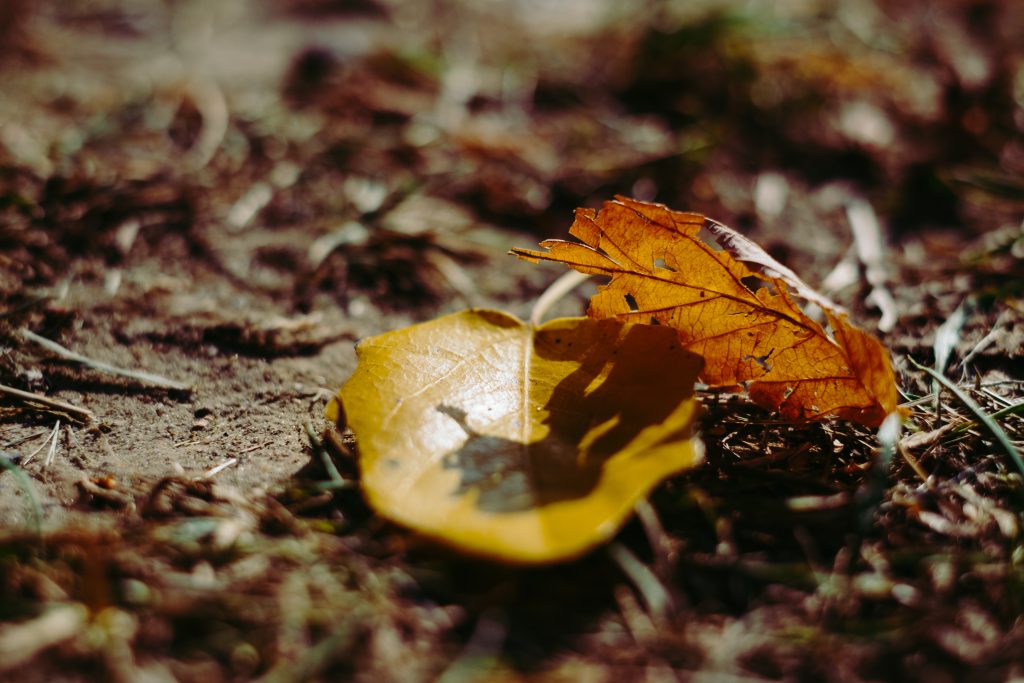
<point x="984" y="419"/>
<point x="7" y="465"/>
<point x="1015" y="409"/>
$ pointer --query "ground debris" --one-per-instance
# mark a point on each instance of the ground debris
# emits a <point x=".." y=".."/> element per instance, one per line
<point x="231" y="193"/>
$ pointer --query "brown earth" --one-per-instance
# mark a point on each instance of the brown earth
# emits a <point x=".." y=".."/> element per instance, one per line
<point x="229" y="195"/>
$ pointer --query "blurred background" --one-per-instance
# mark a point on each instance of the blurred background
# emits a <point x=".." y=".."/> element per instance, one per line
<point x="410" y="124"/>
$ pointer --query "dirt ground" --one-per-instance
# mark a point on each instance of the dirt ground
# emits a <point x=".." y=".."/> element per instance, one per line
<point x="227" y="196"/>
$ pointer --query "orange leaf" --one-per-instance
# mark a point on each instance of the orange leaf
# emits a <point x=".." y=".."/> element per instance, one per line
<point x="736" y="306"/>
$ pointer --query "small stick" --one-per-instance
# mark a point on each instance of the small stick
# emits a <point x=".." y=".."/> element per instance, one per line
<point x="68" y="354"/>
<point x="82" y="413"/>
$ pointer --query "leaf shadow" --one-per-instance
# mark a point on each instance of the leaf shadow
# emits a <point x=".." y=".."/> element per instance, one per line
<point x="643" y="376"/>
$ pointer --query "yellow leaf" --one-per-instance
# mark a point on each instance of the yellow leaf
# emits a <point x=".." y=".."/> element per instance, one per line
<point x="519" y="443"/>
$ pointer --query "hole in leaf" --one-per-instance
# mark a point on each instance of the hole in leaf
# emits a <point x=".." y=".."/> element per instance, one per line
<point x="660" y="263"/>
<point x="762" y="361"/>
<point x="753" y="283"/>
<point x="708" y="238"/>
<point x="631" y="302"/>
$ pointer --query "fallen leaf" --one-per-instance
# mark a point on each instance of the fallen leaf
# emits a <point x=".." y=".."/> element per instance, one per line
<point x="519" y="443"/>
<point x="735" y="305"/>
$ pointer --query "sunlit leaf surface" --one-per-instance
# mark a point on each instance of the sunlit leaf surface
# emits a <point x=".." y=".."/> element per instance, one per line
<point x="733" y="304"/>
<point x="524" y="444"/>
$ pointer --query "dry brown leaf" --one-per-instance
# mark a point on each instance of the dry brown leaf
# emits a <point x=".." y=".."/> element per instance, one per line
<point x="736" y="306"/>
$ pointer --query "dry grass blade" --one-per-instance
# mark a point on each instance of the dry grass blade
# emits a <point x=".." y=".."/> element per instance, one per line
<point x="51" y="439"/>
<point x="67" y="354"/>
<point x="558" y="289"/>
<point x="867" y="235"/>
<point x="872" y="493"/>
<point x="335" y="647"/>
<point x="948" y="335"/>
<point x="655" y="596"/>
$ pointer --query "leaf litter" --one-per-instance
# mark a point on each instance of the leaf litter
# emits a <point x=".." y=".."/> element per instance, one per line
<point x="757" y="558"/>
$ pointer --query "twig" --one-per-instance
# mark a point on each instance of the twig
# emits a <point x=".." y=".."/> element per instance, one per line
<point x="844" y="274"/>
<point x="335" y="647"/>
<point x="912" y="462"/>
<point x="661" y="544"/>
<point x="483" y="646"/>
<point x="28" y="458"/>
<point x="24" y="307"/>
<point x="82" y="413"/>
<point x="67" y="354"/>
<point x="455" y="275"/>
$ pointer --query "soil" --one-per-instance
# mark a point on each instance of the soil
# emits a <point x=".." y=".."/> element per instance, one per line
<point x="228" y="196"/>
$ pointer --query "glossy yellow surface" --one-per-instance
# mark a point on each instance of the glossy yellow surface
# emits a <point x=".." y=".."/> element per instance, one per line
<point x="526" y="445"/>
